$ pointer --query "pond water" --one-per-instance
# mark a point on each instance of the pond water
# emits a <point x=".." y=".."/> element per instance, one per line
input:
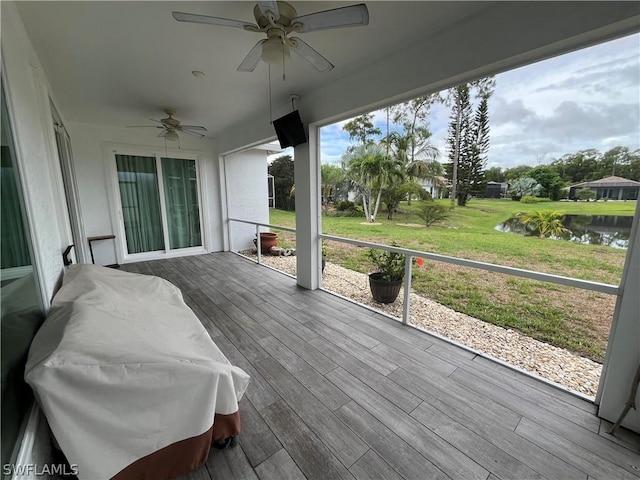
<point x="608" y="230"/>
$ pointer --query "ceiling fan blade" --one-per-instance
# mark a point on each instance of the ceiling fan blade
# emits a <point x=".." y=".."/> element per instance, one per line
<point x="250" y="62"/>
<point x="194" y="127"/>
<point x="195" y="134"/>
<point x="316" y="60"/>
<point x="351" y="16"/>
<point x="162" y="133"/>
<point x="224" y="22"/>
<point x="269" y="7"/>
<point x="143" y="126"/>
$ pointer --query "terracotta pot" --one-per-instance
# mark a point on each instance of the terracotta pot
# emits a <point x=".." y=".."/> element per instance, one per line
<point x="384" y="291"/>
<point x="267" y="240"/>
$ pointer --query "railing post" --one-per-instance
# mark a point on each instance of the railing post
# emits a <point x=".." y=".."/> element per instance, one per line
<point x="408" y="260"/>
<point x="258" y="243"/>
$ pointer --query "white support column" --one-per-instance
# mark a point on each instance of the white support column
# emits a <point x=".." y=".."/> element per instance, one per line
<point x="623" y="353"/>
<point x="227" y="228"/>
<point x="307" y="181"/>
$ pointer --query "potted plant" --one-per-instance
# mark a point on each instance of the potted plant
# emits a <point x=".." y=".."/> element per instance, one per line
<point x="267" y="240"/>
<point x="385" y="283"/>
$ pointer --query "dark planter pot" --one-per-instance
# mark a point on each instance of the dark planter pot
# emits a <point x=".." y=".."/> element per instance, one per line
<point x="324" y="263"/>
<point x="384" y="291"/>
<point x="267" y="240"/>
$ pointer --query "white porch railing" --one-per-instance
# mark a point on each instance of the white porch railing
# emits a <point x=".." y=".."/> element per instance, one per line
<point x="410" y="254"/>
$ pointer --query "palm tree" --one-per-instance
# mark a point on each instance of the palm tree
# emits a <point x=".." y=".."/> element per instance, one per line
<point x="523" y="186"/>
<point x="416" y="153"/>
<point x="371" y="171"/>
<point x="546" y="223"/>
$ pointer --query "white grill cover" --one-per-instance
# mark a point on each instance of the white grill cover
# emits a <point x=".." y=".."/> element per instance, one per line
<point x="122" y="368"/>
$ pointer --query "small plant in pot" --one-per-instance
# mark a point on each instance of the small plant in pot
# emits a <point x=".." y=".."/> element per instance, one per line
<point x="386" y="282"/>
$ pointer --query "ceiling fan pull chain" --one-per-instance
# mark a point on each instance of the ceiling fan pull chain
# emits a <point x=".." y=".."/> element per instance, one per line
<point x="270" y="109"/>
<point x="284" y="75"/>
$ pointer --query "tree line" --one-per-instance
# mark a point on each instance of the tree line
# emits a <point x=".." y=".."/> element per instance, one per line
<point x="570" y="169"/>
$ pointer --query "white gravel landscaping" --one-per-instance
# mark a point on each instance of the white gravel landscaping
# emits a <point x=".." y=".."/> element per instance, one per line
<point x="556" y="364"/>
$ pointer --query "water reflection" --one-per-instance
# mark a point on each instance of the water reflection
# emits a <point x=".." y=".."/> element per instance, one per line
<point x="607" y="230"/>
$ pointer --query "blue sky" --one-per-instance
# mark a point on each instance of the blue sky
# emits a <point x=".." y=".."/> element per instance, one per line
<point x="585" y="99"/>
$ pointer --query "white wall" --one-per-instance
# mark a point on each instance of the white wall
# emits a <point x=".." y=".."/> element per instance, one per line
<point x="431" y="186"/>
<point x="29" y="107"/>
<point x="247" y="194"/>
<point x="91" y="156"/>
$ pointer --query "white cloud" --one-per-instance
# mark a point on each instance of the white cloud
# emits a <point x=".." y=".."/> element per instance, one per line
<point x="585" y="99"/>
<point x="334" y="142"/>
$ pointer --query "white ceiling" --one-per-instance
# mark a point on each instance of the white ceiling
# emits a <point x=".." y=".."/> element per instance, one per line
<point x="121" y="63"/>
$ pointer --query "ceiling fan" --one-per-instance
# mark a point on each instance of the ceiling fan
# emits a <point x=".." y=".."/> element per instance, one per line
<point x="171" y="126"/>
<point x="278" y="20"/>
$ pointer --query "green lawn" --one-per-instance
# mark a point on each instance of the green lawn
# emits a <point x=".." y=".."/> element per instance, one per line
<point x="567" y="317"/>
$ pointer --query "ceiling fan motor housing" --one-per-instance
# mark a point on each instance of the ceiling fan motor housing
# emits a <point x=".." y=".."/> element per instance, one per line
<point x="286" y="11"/>
<point x="170" y="122"/>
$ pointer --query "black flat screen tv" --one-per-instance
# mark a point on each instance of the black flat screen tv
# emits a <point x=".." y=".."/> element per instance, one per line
<point x="290" y="130"/>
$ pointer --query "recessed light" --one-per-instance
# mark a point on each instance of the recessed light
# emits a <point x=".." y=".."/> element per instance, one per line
<point x="197" y="73"/>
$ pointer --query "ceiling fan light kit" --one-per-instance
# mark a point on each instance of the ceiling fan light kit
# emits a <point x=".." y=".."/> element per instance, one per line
<point x="275" y="52"/>
<point x="171" y="126"/>
<point x="278" y="20"/>
<point x="171" y="136"/>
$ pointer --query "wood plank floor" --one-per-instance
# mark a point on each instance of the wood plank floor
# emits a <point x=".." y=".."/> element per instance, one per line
<point x="338" y="391"/>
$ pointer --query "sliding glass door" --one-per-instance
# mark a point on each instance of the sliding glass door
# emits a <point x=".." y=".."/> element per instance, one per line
<point x="181" y="200"/>
<point x="160" y="203"/>
<point x="140" y="200"/>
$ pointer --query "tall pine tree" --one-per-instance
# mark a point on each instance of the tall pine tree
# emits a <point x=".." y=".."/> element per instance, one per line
<point x="459" y="134"/>
<point x="472" y="178"/>
<point x="468" y="139"/>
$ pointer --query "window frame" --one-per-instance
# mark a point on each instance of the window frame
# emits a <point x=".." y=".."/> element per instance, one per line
<point x="14" y="273"/>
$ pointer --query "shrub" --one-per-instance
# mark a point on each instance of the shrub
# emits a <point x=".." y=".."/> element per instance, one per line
<point x="586" y="194"/>
<point x="424" y="195"/>
<point x="357" y="212"/>
<point x="345" y="208"/>
<point x="432" y="213"/>
<point x="529" y="199"/>
<point x="343" y="205"/>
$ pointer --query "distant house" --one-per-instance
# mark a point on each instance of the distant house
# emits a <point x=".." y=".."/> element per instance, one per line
<point x="435" y="186"/>
<point x="496" y="190"/>
<point x="609" y="188"/>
